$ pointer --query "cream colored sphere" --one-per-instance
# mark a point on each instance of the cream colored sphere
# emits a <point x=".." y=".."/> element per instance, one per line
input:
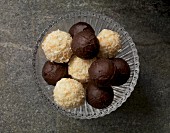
<point x="109" y="43"/>
<point x="69" y="93"/>
<point x="78" y="68"/>
<point x="57" y="46"/>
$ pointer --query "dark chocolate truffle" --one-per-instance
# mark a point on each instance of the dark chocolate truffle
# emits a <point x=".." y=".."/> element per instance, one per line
<point x="53" y="72"/>
<point x="102" y="71"/>
<point x="80" y="26"/>
<point x="122" y="71"/>
<point x="99" y="97"/>
<point x="85" y="45"/>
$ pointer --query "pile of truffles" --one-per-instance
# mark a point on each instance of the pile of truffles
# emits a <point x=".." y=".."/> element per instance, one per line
<point x="82" y="66"/>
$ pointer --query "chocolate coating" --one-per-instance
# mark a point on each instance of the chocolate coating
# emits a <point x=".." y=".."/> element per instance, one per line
<point x="102" y="71"/>
<point x="99" y="97"/>
<point x="85" y="45"/>
<point x="122" y="71"/>
<point x="53" y="72"/>
<point x="80" y="26"/>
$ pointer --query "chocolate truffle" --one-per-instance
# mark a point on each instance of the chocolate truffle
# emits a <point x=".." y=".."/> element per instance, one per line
<point x="80" y="26"/>
<point x="69" y="93"/>
<point x="102" y="71"/>
<point x="99" y="97"/>
<point x="57" y="46"/>
<point x="122" y="71"/>
<point x="109" y="43"/>
<point x="85" y="45"/>
<point x="53" y="72"/>
<point x="78" y="68"/>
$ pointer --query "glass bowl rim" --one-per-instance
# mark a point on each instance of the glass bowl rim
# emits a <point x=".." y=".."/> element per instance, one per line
<point x="97" y="15"/>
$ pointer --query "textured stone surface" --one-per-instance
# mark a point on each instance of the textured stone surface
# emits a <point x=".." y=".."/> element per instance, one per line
<point x="22" y="109"/>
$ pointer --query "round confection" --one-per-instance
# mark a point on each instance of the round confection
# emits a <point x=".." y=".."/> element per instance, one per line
<point x="69" y="93"/>
<point x="57" y="46"/>
<point x="78" y="68"/>
<point x="109" y="43"/>
<point x="99" y="97"/>
<point x="102" y="72"/>
<point x="80" y="26"/>
<point x="53" y="72"/>
<point x="85" y="45"/>
<point x="122" y="71"/>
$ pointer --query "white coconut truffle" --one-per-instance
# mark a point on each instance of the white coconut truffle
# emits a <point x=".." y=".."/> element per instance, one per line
<point x="57" y="46"/>
<point x="109" y="43"/>
<point x="78" y="68"/>
<point x="69" y="93"/>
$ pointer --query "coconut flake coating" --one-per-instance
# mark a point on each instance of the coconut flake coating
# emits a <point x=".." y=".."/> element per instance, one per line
<point x="69" y="93"/>
<point x="78" y="68"/>
<point x="57" y="46"/>
<point x="109" y="43"/>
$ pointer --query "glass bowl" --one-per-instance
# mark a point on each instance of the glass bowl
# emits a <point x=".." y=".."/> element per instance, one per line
<point x="128" y="53"/>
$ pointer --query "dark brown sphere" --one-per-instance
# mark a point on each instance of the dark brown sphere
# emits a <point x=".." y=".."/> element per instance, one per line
<point x="99" y="97"/>
<point x="53" y="72"/>
<point x="85" y="45"/>
<point x="101" y="72"/>
<point x="122" y="71"/>
<point x="80" y="26"/>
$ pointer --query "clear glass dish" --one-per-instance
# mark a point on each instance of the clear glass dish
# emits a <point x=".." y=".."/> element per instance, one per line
<point x="128" y="53"/>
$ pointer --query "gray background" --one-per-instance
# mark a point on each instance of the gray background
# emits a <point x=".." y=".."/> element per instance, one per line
<point x="22" y="109"/>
